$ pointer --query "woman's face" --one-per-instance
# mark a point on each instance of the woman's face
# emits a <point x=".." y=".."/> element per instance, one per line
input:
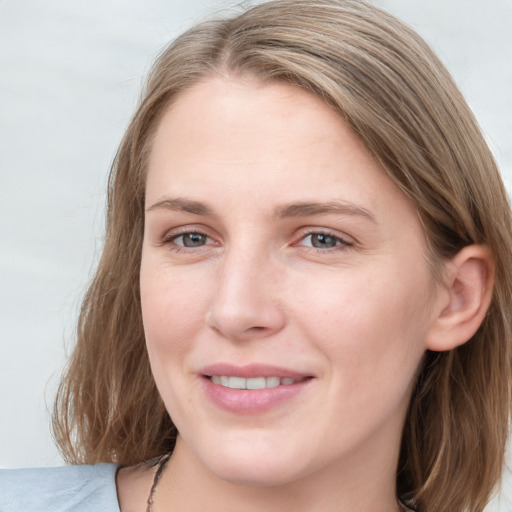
<point x="279" y="256"/>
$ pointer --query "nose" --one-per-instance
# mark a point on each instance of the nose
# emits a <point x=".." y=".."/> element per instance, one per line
<point x="246" y="304"/>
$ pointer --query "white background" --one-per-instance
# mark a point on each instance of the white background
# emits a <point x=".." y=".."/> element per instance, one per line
<point x="70" y="74"/>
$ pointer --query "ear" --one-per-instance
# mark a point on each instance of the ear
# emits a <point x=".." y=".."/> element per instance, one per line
<point x="463" y="299"/>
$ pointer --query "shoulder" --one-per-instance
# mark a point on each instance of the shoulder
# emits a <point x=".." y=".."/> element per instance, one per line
<point x="62" y="489"/>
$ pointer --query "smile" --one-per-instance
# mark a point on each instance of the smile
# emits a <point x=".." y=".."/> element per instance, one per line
<point x="233" y="382"/>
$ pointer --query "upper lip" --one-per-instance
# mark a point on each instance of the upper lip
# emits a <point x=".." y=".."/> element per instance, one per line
<point x="250" y="371"/>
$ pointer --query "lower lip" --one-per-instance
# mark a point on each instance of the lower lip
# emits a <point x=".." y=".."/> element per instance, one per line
<point x="251" y="401"/>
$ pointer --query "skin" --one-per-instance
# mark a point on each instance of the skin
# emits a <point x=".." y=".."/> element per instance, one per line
<point x="354" y="313"/>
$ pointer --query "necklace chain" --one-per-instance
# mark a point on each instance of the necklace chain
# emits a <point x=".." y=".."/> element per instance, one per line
<point x="162" y="462"/>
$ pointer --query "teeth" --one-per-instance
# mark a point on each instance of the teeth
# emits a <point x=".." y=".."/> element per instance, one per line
<point x="237" y="383"/>
<point x="273" y="382"/>
<point x="256" y="383"/>
<point x="252" y="382"/>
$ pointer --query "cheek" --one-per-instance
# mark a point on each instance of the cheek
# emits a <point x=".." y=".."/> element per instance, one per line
<point x="372" y="326"/>
<point x="173" y="303"/>
<point x="368" y="332"/>
<point x="170" y="318"/>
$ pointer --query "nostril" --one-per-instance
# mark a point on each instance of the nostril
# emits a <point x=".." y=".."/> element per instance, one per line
<point x="239" y="320"/>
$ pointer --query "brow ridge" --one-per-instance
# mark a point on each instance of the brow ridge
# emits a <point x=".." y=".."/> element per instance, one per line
<point x="306" y="209"/>
<point x="300" y="209"/>
<point x="182" y="204"/>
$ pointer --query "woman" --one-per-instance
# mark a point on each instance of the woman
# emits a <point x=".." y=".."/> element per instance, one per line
<point x="303" y="295"/>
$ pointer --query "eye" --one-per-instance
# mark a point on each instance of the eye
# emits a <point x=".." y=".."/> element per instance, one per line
<point x="323" y="240"/>
<point x="193" y="239"/>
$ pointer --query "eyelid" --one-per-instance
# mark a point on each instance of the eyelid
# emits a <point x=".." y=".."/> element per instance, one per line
<point x="344" y="239"/>
<point x="169" y="236"/>
<point x="174" y="239"/>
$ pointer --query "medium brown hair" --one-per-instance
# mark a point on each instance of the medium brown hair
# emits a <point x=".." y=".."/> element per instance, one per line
<point x="388" y="85"/>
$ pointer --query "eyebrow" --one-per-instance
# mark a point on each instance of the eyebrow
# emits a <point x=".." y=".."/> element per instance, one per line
<point x="302" y="209"/>
<point x="182" y="204"/>
<point x="320" y="208"/>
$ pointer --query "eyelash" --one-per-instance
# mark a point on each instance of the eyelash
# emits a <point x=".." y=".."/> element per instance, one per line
<point x="341" y="243"/>
<point x="170" y="240"/>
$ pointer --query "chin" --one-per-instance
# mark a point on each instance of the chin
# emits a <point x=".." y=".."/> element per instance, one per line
<point x="254" y="465"/>
<point x="246" y="474"/>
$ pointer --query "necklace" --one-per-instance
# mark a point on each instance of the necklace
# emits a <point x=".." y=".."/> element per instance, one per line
<point x="162" y="462"/>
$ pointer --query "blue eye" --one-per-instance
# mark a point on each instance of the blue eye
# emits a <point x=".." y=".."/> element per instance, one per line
<point x="190" y="240"/>
<point x="323" y="241"/>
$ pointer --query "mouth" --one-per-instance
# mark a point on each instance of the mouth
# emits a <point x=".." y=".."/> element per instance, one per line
<point x="234" y="382"/>
<point x="254" y="388"/>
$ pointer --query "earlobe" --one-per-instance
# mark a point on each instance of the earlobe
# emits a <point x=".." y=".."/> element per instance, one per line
<point x="465" y="299"/>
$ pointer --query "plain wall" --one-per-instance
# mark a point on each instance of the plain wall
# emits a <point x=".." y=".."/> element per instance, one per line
<point x="70" y="74"/>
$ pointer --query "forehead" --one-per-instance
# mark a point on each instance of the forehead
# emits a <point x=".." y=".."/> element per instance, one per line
<point x="261" y="142"/>
<point x="260" y="111"/>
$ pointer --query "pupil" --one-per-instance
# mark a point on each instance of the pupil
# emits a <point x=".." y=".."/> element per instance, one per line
<point x="193" y="239"/>
<point x="323" y="241"/>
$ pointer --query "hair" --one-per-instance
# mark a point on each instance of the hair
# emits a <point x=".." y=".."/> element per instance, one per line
<point x="393" y="91"/>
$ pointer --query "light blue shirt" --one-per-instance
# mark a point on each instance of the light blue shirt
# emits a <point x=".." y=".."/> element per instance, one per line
<point x="63" y="489"/>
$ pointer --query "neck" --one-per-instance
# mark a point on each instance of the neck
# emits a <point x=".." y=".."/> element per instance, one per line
<point x="187" y="485"/>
